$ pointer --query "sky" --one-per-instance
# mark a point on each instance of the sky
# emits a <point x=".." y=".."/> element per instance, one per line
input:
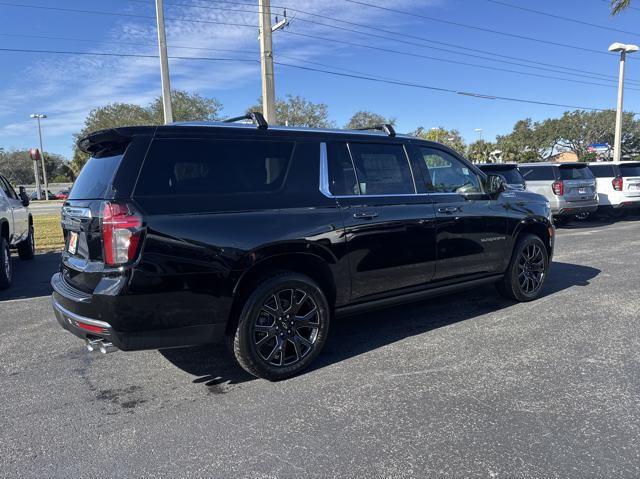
<point x="441" y="44"/>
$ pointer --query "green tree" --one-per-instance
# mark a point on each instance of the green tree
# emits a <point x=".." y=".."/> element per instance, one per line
<point x="365" y="119"/>
<point x="450" y="138"/>
<point x="617" y="6"/>
<point x="298" y="111"/>
<point x="186" y="107"/>
<point x="480" y="151"/>
<point x="523" y="144"/>
<point x="17" y="166"/>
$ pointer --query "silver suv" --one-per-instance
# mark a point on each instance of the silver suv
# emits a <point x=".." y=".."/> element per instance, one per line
<point x="569" y="187"/>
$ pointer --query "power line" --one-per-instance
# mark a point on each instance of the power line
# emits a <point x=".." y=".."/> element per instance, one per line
<point x="361" y="76"/>
<point x="560" y="17"/>
<point x="120" y="14"/>
<point x="553" y="68"/>
<point x="482" y="29"/>
<point x="418" y="55"/>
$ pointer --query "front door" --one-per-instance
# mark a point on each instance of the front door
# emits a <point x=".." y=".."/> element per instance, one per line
<point x="471" y="227"/>
<point x="390" y="230"/>
<point x="18" y="211"/>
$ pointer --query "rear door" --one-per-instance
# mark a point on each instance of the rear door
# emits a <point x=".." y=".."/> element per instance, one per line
<point x="539" y="179"/>
<point x="579" y="182"/>
<point x="390" y="229"/>
<point x="630" y="173"/>
<point x="471" y="227"/>
<point x="18" y="211"/>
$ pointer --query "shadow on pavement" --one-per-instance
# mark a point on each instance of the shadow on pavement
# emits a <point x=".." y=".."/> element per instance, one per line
<point x="31" y="278"/>
<point x="355" y="335"/>
<point x="594" y="221"/>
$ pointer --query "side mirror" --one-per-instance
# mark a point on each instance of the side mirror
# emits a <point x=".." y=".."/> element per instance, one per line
<point x="24" y="196"/>
<point x="496" y="184"/>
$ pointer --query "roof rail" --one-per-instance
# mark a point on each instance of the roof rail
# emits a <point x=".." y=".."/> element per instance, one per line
<point x="386" y="127"/>
<point x="255" y="116"/>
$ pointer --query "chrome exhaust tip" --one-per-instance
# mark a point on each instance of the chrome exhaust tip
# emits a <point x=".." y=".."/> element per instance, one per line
<point x="92" y="344"/>
<point x="106" y="347"/>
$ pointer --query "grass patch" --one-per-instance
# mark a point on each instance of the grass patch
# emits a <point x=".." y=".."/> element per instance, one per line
<point x="48" y="233"/>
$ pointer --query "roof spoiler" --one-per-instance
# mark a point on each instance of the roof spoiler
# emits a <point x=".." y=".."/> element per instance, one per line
<point x="111" y="141"/>
<point x="386" y="127"/>
<point x="255" y="117"/>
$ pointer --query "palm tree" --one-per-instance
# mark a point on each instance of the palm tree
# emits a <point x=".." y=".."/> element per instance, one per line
<point x="618" y="6"/>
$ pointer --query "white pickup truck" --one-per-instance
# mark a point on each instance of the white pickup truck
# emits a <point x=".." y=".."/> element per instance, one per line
<point x="16" y="229"/>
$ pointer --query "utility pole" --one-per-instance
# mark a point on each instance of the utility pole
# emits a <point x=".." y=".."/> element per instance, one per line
<point x="34" y="156"/>
<point x="623" y="49"/>
<point x="40" y="116"/>
<point x="266" y="59"/>
<point x="164" y="64"/>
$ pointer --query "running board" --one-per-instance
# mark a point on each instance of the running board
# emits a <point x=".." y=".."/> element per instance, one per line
<point x="416" y="296"/>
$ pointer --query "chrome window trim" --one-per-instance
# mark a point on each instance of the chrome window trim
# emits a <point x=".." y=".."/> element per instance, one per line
<point x="324" y="178"/>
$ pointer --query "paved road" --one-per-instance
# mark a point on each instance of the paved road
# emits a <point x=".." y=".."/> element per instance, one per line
<point x="461" y="386"/>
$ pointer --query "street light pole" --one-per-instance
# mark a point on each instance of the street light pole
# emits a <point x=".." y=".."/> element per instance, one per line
<point x="164" y="64"/>
<point x="623" y="49"/>
<point x="40" y="116"/>
<point x="479" y="132"/>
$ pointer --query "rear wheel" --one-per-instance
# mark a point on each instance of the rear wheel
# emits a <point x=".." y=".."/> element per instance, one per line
<point x="27" y="248"/>
<point x="527" y="270"/>
<point x="282" y="327"/>
<point x="5" y="264"/>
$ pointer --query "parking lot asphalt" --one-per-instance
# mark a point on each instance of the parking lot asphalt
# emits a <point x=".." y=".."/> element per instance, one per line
<point x="466" y="385"/>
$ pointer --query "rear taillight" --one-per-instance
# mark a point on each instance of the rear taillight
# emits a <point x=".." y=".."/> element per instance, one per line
<point x="121" y="227"/>
<point x="618" y="183"/>
<point x="558" y="188"/>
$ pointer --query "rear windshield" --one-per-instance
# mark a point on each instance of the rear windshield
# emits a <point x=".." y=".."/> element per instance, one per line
<point x="575" y="173"/>
<point x="632" y="169"/>
<point x="213" y="167"/>
<point x="512" y="175"/>
<point x="537" y="173"/>
<point x="95" y="178"/>
<point x="603" y="171"/>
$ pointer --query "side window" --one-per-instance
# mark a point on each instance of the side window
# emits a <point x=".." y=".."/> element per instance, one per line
<point x="537" y="173"/>
<point x="382" y="169"/>
<point x="449" y="174"/>
<point x="7" y="189"/>
<point x="342" y="176"/>
<point x="212" y="167"/>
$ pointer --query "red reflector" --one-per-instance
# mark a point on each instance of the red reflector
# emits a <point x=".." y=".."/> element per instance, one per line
<point x="90" y="327"/>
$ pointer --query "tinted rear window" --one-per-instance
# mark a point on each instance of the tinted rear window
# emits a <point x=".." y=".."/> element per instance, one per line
<point x="212" y="167"/>
<point x="630" y="170"/>
<point x="382" y="169"/>
<point x="603" y="171"/>
<point x="95" y="178"/>
<point x="512" y="175"/>
<point x="575" y="173"/>
<point x="537" y="173"/>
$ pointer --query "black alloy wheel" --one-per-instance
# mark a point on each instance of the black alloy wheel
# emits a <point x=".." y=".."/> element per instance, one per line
<point x="527" y="271"/>
<point x="282" y="327"/>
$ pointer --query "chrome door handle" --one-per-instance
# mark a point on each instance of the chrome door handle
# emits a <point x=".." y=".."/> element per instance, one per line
<point x="365" y="215"/>
<point x="449" y="209"/>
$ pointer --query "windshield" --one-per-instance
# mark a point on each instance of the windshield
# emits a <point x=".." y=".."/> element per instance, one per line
<point x="632" y="169"/>
<point x="575" y="173"/>
<point x="95" y="178"/>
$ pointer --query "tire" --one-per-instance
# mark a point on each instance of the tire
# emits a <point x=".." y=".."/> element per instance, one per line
<point x="27" y="248"/>
<point x="583" y="216"/>
<point x="5" y="264"/>
<point x="524" y="279"/>
<point x="264" y="322"/>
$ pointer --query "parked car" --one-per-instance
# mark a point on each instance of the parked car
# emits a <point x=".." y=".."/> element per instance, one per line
<point x="63" y="194"/>
<point x="34" y="195"/>
<point x="569" y="187"/>
<point x="16" y="229"/>
<point x="508" y="171"/>
<point x="263" y="235"/>
<point x="618" y="186"/>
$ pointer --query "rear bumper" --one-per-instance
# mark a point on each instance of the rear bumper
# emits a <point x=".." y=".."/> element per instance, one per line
<point x="75" y="312"/>
<point x="573" y="208"/>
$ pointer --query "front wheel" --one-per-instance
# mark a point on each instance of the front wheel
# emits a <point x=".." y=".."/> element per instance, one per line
<point x="27" y="247"/>
<point x="5" y="264"/>
<point x="282" y="327"/>
<point x="527" y="270"/>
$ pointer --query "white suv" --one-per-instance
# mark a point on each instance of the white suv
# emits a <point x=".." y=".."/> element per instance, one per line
<point x="618" y="186"/>
<point x="16" y="229"/>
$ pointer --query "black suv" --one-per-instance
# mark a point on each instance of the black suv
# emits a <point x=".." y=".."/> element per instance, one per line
<point x="189" y="233"/>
